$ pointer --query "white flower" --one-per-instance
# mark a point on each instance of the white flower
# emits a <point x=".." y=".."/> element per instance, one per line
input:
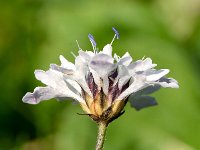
<point x="102" y="84"/>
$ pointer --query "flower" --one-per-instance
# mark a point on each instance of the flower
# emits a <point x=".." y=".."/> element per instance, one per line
<point x="102" y="84"/>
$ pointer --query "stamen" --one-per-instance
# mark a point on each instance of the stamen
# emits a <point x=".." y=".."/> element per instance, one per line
<point x="97" y="50"/>
<point x="115" y="36"/>
<point x="79" y="48"/>
<point x="116" y="32"/>
<point x="92" y="41"/>
<point x="73" y="54"/>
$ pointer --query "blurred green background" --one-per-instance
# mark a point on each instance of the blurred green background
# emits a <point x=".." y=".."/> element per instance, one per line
<point x="33" y="33"/>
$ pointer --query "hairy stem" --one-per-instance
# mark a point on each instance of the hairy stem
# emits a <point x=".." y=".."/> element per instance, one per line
<point x="101" y="135"/>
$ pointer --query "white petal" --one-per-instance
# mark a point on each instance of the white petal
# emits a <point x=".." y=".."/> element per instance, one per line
<point x="45" y="77"/>
<point x="66" y="64"/>
<point x="72" y="90"/>
<point x="122" y="77"/>
<point x="116" y="57"/>
<point x="168" y="82"/>
<point x="84" y="85"/>
<point x="141" y="65"/>
<point x="51" y="78"/>
<point x="96" y="77"/>
<point x="56" y="80"/>
<point x="90" y="53"/>
<point x="107" y="50"/>
<point x="147" y="64"/>
<point x="46" y="93"/>
<point x="126" y="55"/>
<point x="135" y="66"/>
<point x="85" y="55"/>
<point x="80" y="62"/>
<point x="105" y="85"/>
<point x="153" y="75"/>
<point x="125" y="60"/>
<point x="81" y="73"/>
<point x="137" y="85"/>
<point x="61" y="69"/>
<point x="102" y="64"/>
<point x="122" y="81"/>
<point x="103" y="58"/>
<point x="40" y="94"/>
<point x="76" y="87"/>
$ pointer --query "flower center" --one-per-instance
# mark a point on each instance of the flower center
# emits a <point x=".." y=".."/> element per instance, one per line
<point x="102" y="107"/>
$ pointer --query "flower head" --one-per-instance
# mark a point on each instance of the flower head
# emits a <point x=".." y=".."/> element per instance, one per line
<point x="101" y="83"/>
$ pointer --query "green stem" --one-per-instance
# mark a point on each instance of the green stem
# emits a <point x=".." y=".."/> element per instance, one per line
<point x="101" y="135"/>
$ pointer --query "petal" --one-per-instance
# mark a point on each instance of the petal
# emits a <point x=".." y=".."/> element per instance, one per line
<point x="80" y="62"/>
<point x="138" y="84"/>
<point x="81" y="72"/>
<point x="61" y="69"/>
<point x="125" y="60"/>
<point x="102" y="64"/>
<point x="107" y="50"/>
<point x="142" y="102"/>
<point x="122" y="81"/>
<point x="116" y="57"/>
<point x="105" y="85"/>
<point x="57" y="81"/>
<point x="168" y="82"/>
<point x="47" y="77"/>
<point x="153" y="75"/>
<point x="83" y="84"/>
<point x="126" y="55"/>
<point x="51" y="78"/>
<point x="141" y="65"/>
<point x="96" y="77"/>
<point x="103" y="58"/>
<point x="147" y="64"/>
<point x="90" y="53"/>
<point x="66" y="64"/>
<point x="123" y="76"/>
<point x="40" y="94"/>
<point x="73" y="86"/>
<point x="86" y="55"/>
